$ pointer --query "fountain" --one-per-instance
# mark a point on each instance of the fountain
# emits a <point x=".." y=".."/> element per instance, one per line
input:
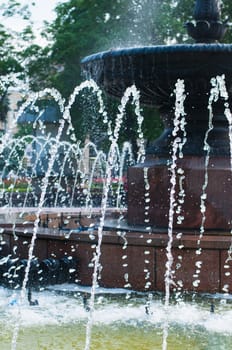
<point x="175" y="235"/>
<point x="178" y="200"/>
<point x="202" y="169"/>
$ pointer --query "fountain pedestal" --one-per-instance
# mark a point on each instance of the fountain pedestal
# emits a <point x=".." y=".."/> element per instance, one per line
<point x="191" y="181"/>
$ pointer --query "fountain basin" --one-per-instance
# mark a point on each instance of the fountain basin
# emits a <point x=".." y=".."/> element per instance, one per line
<point x="155" y="69"/>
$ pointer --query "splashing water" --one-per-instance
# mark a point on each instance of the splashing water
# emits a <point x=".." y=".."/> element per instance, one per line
<point x="214" y="95"/>
<point x="147" y="224"/>
<point x="218" y="91"/>
<point x="35" y="229"/>
<point x="223" y="93"/>
<point x="131" y="91"/>
<point x="178" y="143"/>
<point x="45" y="182"/>
<point x="177" y="146"/>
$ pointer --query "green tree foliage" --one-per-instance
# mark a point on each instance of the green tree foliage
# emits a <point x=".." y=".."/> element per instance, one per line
<point x="13" y="7"/>
<point x="85" y="27"/>
<point x="38" y="66"/>
<point x="9" y="66"/>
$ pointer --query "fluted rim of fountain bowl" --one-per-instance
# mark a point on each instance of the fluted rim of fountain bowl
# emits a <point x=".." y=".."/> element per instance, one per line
<point x="159" y="49"/>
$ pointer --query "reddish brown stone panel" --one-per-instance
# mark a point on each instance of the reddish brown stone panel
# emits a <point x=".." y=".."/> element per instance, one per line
<point x="20" y="247"/>
<point x="5" y="247"/>
<point x="218" y="201"/>
<point x="41" y="249"/>
<point x="226" y="272"/>
<point x="58" y="249"/>
<point x="185" y="266"/>
<point x="84" y="254"/>
<point x="132" y="267"/>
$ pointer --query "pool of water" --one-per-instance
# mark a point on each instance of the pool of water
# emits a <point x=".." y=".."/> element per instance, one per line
<point x="120" y="322"/>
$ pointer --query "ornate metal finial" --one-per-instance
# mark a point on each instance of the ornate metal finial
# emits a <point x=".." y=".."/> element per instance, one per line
<point x="207" y="26"/>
